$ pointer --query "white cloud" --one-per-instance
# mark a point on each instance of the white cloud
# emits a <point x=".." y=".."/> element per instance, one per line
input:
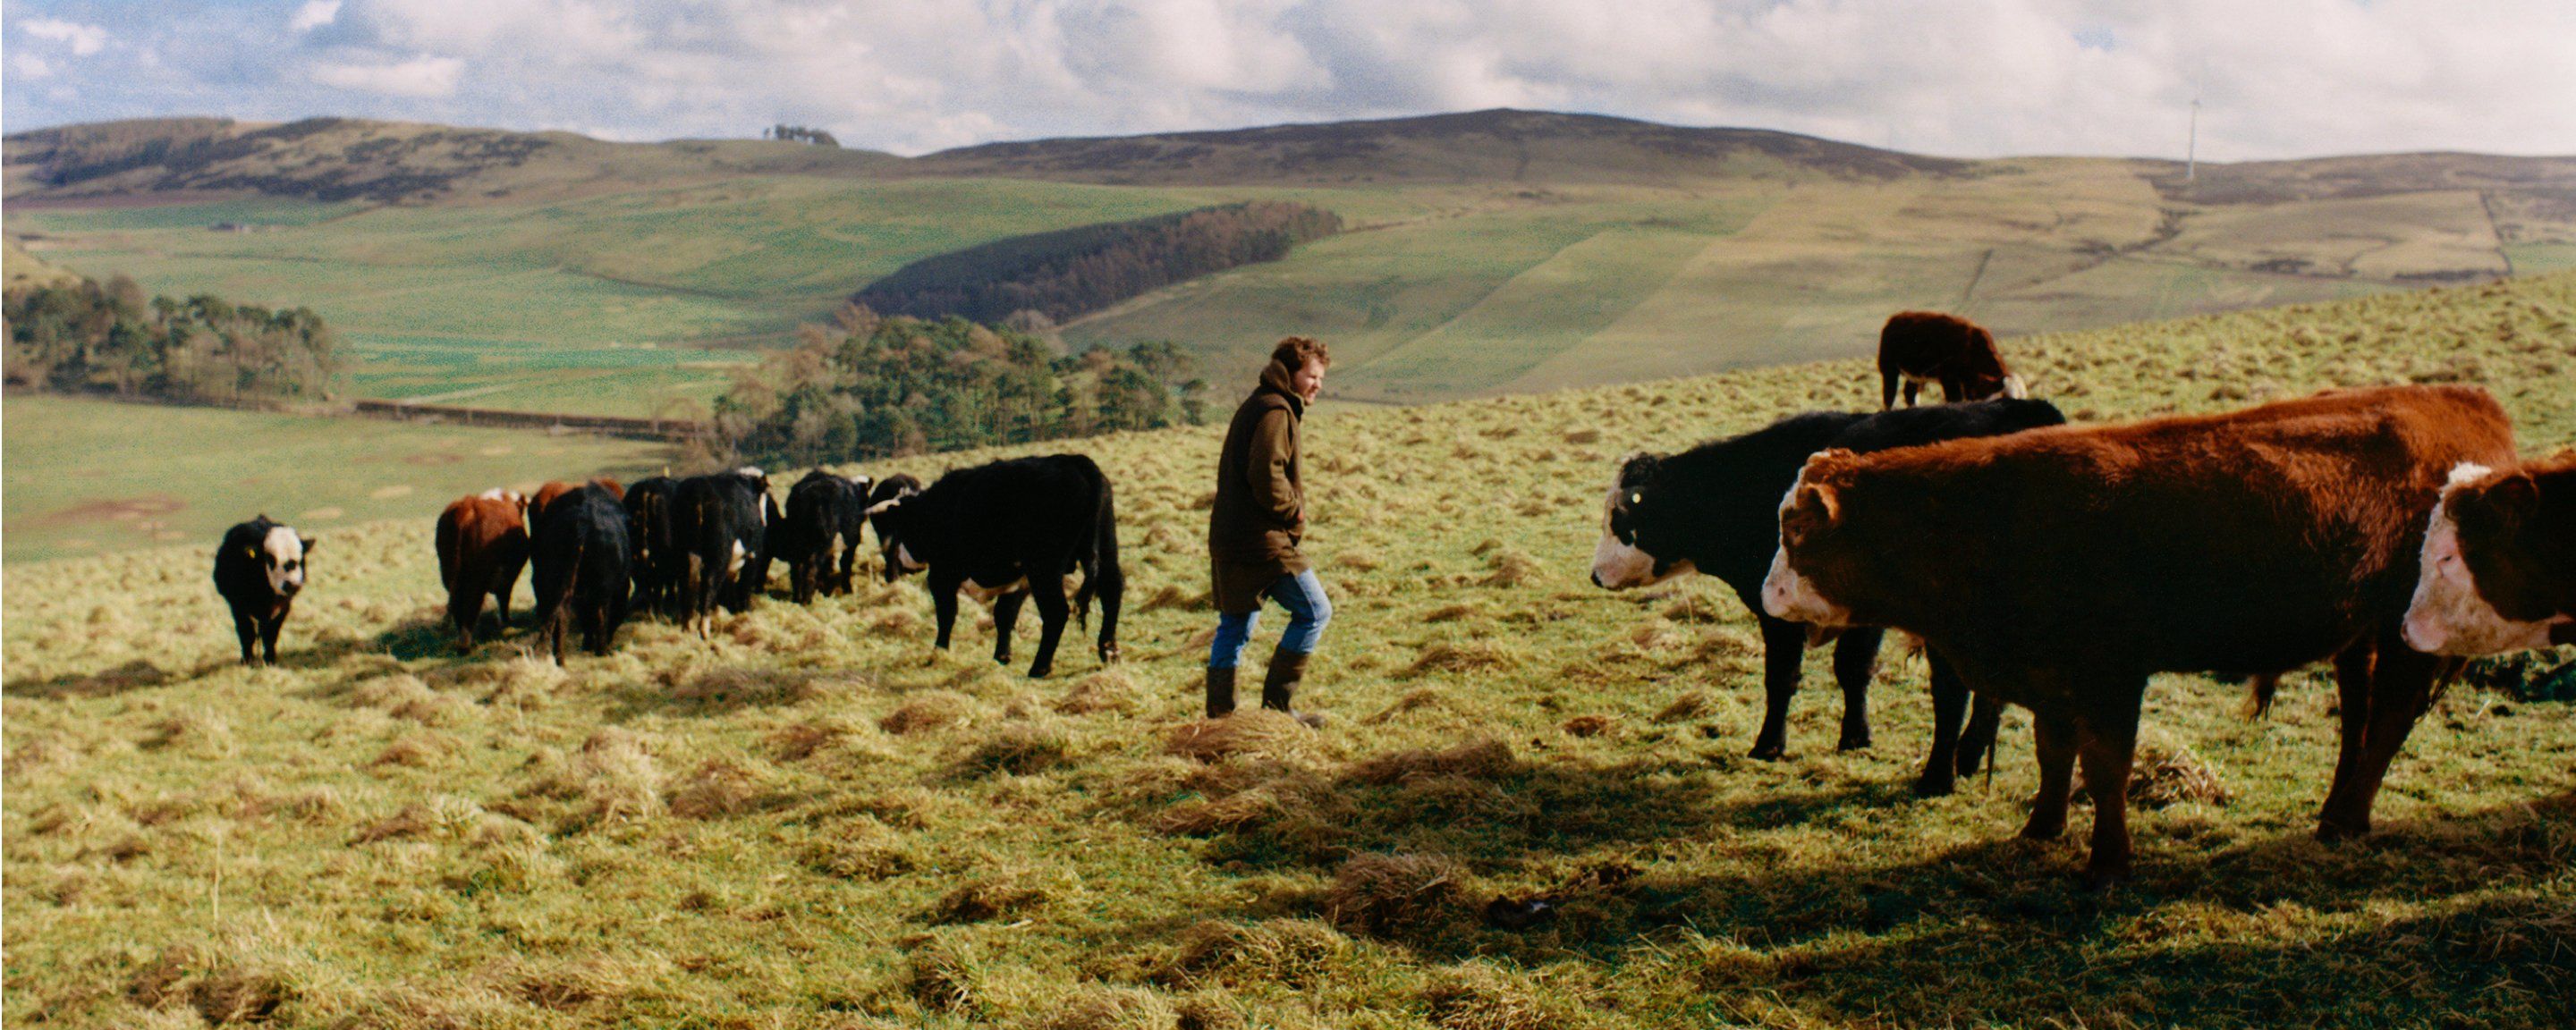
<point x="84" y="40"/>
<point x="313" y="15"/>
<point x="1967" y="77"/>
<point x="420" y="77"/>
<point x="31" y="66"/>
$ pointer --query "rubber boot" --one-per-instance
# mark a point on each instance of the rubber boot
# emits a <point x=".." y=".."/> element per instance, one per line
<point x="1220" y="692"/>
<point x="1277" y="688"/>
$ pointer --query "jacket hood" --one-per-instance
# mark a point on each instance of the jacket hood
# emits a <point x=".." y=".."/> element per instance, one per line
<point x="1275" y="378"/>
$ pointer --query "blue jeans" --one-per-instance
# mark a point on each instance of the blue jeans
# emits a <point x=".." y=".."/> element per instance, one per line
<point x="1308" y="611"/>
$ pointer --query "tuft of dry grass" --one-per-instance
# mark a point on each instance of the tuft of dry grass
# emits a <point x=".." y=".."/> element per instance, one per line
<point x="799" y="740"/>
<point x="943" y="976"/>
<point x="720" y="788"/>
<point x="1248" y="733"/>
<point x="1478" y="996"/>
<point x="1109" y="690"/>
<point x="427" y="749"/>
<point x="1475" y="760"/>
<point x="1393" y="895"/>
<point x="2167" y="772"/>
<point x="1413" y="700"/>
<point x="242" y="979"/>
<point x="932" y="710"/>
<point x="569" y="984"/>
<point x="1108" y="1008"/>
<point x="611" y="778"/>
<point x="1296" y="953"/>
<point x="1020" y="749"/>
<point x="1589" y="725"/>
<point x="1512" y="567"/>
<point x="988" y="897"/>
<point x="1443" y="656"/>
<point x="1684" y="708"/>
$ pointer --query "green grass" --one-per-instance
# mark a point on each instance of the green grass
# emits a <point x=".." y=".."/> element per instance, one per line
<point x="814" y="820"/>
<point x="91" y="476"/>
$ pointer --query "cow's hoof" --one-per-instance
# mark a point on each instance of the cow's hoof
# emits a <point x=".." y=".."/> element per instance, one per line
<point x="2044" y="827"/>
<point x="1769" y="751"/>
<point x="2330" y="831"/>
<point x="1039" y="672"/>
<point x="2101" y="877"/>
<point x="1853" y="742"/>
<point x="1931" y="786"/>
<point x="1109" y="654"/>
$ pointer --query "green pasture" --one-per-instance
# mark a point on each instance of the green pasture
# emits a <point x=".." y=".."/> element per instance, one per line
<point x="811" y="819"/>
<point x="90" y="476"/>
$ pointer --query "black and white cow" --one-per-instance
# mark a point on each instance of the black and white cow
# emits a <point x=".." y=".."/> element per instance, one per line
<point x="819" y="536"/>
<point x="656" y="559"/>
<point x="1014" y="530"/>
<point x="721" y="525"/>
<point x="259" y="569"/>
<point x="891" y="488"/>
<point x="578" y="563"/>
<point x="1715" y="509"/>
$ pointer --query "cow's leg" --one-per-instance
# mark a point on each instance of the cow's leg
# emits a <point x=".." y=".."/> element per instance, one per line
<point x="1949" y="703"/>
<point x="1911" y="389"/>
<point x="464" y="611"/>
<point x="1887" y="389"/>
<point x="2353" y="666"/>
<point x="943" y="603"/>
<point x="1855" y="661"/>
<point x="1006" y="619"/>
<point x="268" y="627"/>
<point x="1054" y="611"/>
<point x="800" y="581"/>
<point x="2053" y="733"/>
<point x="246" y="626"/>
<point x="2401" y="689"/>
<point x="1784" y="645"/>
<point x="2108" y="741"/>
<point x="1977" y="742"/>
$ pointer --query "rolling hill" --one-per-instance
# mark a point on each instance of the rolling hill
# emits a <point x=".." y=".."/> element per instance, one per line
<point x="1490" y="252"/>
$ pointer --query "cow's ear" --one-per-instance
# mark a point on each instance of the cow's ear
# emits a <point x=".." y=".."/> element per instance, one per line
<point x="307" y="542"/>
<point x="1821" y="498"/>
<point x="1812" y="509"/>
<point x="2510" y="500"/>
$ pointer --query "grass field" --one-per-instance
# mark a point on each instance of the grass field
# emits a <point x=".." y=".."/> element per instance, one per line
<point x="91" y="476"/>
<point x="817" y="821"/>
<point x="611" y="279"/>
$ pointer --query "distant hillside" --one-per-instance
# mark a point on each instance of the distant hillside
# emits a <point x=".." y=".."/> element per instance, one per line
<point x="1500" y="145"/>
<point x="357" y="159"/>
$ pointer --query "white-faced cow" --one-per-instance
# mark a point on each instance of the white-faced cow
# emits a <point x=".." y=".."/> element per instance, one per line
<point x="2059" y="568"/>
<point x="1014" y="529"/>
<point x="1714" y="509"/>
<point x="259" y="569"/>
<point x="1921" y="347"/>
<point x="2499" y="563"/>
<point x="721" y="524"/>
<point x="579" y="568"/>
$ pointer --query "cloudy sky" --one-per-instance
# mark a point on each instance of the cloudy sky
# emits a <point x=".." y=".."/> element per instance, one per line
<point x="2277" y="78"/>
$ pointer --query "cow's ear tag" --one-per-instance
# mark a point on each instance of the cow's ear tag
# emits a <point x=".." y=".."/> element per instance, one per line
<point x="250" y="551"/>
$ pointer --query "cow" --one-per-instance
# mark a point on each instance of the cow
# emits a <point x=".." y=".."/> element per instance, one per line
<point x="579" y="568"/>
<point x="1921" y="347"/>
<point x="259" y="568"/>
<point x="656" y="560"/>
<point x="721" y="525"/>
<point x="818" y="537"/>
<point x="555" y="488"/>
<point x="2057" y="569"/>
<point x="482" y="545"/>
<point x="893" y="487"/>
<point x="2499" y="562"/>
<point x="1014" y="530"/>
<point x="1714" y="509"/>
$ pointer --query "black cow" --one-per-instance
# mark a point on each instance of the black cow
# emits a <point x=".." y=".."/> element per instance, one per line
<point x="894" y="487"/>
<point x="721" y="525"/>
<point x="579" y="560"/>
<point x="657" y="558"/>
<point x="1015" y="529"/>
<point x="1715" y="509"/>
<point x="819" y="536"/>
<point x="259" y="568"/>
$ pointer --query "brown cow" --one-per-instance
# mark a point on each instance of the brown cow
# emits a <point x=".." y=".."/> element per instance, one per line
<point x="2058" y="568"/>
<point x="482" y="545"/>
<point x="2499" y="561"/>
<point x="1928" y="346"/>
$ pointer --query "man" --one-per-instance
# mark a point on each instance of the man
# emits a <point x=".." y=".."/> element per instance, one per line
<point x="1254" y="529"/>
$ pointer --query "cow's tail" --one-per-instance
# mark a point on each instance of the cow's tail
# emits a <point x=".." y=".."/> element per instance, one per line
<point x="1102" y="576"/>
<point x="559" y="617"/>
<point x="2258" y="700"/>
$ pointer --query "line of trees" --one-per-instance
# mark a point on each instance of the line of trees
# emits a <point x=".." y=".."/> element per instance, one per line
<point x="871" y="387"/>
<point x="799" y="134"/>
<point x="108" y="339"/>
<point x="1071" y="272"/>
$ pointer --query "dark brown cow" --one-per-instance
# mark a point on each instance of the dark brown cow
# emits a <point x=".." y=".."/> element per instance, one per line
<point x="1921" y="347"/>
<point x="482" y="545"/>
<point x="2072" y="562"/>
<point x="2499" y="561"/>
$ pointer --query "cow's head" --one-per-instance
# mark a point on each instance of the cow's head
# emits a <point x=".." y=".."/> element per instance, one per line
<point x="1638" y="530"/>
<point x="886" y="516"/>
<point x="2469" y="598"/>
<point x="281" y="555"/>
<point x="1811" y="545"/>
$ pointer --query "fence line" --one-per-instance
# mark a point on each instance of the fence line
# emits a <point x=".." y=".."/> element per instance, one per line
<point x="671" y="429"/>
